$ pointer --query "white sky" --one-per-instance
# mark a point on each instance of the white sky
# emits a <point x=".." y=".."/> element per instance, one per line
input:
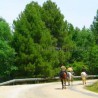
<point x="77" y="12"/>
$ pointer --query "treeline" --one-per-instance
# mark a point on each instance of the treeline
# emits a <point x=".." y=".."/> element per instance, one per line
<point x="41" y="40"/>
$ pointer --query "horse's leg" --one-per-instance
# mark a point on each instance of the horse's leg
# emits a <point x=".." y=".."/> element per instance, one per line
<point x="72" y="80"/>
<point x="62" y="83"/>
<point x="82" y="81"/>
<point x="85" y="81"/>
<point x="68" y="81"/>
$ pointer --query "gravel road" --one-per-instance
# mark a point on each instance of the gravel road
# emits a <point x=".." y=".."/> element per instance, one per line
<point x="47" y="90"/>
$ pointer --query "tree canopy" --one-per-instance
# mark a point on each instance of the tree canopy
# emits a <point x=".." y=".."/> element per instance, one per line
<point x="42" y="40"/>
<point x="6" y="51"/>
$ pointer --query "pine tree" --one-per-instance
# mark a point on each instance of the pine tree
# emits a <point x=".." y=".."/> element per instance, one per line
<point x="32" y="41"/>
<point x="94" y="27"/>
<point x="6" y="51"/>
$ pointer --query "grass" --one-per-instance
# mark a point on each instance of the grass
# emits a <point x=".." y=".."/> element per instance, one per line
<point x="93" y="87"/>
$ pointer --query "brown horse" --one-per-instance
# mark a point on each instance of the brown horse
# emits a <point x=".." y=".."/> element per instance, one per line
<point x="63" y="78"/>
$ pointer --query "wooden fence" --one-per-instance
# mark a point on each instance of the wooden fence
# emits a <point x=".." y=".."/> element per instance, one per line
<point x="39" y="79"/>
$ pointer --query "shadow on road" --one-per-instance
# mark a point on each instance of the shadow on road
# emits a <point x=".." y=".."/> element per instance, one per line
<point x="58" y="88"/>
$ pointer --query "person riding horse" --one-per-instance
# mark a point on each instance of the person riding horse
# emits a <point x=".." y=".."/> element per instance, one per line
<point x="84" y="76"/>
<point x="63" y="76"/>
<point x="70" y="74"/>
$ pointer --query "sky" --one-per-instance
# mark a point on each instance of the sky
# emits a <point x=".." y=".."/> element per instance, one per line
<point x="79" y="13"/>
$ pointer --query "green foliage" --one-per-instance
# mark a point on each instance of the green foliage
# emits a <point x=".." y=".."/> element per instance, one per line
<point x="32" y="41"/>
<point x="54" y="21"/>
<point x="59" y="29"/>
<point x="93" y="87"/>
<point x="84" y="40"/>
<point x="6" y="52"/>
<point x="6" y="55"/>
<point x="78" y="67"/>
<point x="5" y="32"/>
<point x="42" y="41"/>
<point x="94" y="27"/>
<point x="93" y="60"/>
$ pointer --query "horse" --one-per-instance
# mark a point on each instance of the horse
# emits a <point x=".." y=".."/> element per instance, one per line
<point x="83" y="76"/>
<point x="70" y="77"/>
<point x="63" y="78"/>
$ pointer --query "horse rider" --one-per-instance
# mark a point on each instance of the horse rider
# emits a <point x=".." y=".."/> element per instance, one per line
<point x="70" y="69"/>
<point x="63" y="69"/>
<point x="84" y="76"/>
<point x="63" y="76"/>
<point x="70" y="75"/>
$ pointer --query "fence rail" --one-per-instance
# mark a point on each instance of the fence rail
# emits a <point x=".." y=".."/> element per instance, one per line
<point x="38" y="79"/>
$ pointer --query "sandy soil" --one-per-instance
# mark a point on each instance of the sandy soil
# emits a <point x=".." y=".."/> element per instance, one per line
<point x="47" y="90"/>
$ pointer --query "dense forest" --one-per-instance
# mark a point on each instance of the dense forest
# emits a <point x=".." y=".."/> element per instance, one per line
<point x="41" y="40"/>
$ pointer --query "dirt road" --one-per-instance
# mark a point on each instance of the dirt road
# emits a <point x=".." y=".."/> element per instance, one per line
<point x="47" y="90"/>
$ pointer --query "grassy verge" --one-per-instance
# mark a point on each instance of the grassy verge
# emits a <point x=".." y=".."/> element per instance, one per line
<point x="93" y="87"/>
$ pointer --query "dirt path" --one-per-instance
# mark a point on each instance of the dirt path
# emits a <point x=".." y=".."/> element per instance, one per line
<point x="47" y="90"/>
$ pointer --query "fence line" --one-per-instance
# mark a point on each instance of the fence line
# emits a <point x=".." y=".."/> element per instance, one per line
<point x="38" y="79"/>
